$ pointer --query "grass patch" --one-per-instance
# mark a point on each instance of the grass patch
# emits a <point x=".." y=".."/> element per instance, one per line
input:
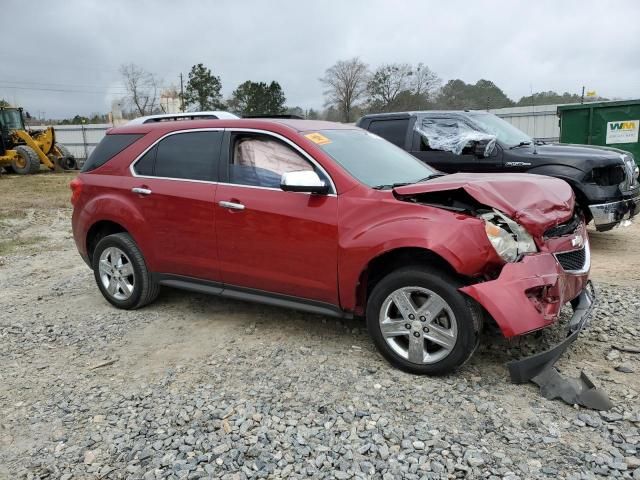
<point x="46" y="190"/>
<point x="19" y="245"/>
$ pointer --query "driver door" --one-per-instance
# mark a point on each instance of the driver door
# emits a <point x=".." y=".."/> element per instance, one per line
<point x="268" y="239"/>
<point x="439" y="156"/>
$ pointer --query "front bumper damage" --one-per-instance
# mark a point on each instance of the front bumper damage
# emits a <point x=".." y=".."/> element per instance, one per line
<point x="608" y="215"/>
<point x="524" y="370"/>
<point x="539" y="368"/>
<point x="523" y="314"/>
<point x="528" y="295"/>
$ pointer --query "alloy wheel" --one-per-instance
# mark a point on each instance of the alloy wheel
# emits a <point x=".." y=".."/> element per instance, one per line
<point x="418" y="325"/>
<point x="116" y="273"/>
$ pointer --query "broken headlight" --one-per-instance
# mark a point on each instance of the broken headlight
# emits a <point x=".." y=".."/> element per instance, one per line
<point x="509" y="239"/>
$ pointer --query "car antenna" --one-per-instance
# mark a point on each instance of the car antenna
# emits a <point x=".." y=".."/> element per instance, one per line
<point x="533" y="114"/>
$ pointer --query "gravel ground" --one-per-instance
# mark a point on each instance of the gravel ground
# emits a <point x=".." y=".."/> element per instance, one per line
<point x="200" y="387"/>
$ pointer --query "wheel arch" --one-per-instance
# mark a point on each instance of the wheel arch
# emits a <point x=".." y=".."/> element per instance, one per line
<point x="107" y="214"/>
<point x="388" y="261"/>
<point x="98" y="231"/>
<point x="573" y="176"/>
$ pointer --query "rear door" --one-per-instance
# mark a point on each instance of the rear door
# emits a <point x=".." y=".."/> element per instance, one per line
<point x="394" y="130"/>
<point x="174" y="188"/>
<point x="268" y="239"/>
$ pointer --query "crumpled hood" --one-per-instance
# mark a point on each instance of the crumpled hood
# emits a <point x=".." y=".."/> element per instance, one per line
<point x="537" y="202"/>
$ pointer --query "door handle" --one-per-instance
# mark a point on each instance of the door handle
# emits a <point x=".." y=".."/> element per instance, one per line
<point x="141" y="190"/>
<point x="231" y="205"/>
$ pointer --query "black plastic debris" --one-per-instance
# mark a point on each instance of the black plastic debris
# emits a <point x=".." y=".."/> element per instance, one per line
<point x="523" y="370"/>
<point x="581" y="391"/>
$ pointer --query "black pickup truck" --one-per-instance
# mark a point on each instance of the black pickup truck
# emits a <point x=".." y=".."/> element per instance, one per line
<point x="605" y="180"/>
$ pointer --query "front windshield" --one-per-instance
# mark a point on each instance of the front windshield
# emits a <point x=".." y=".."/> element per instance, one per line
<point x="369" y="158"/>
<point x="506" y="133"/>
<point x="12" y="120"/>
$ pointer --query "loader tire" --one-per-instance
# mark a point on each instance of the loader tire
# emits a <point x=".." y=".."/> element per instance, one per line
<point x="27" y="161"/>
<point x="67" y="161"/>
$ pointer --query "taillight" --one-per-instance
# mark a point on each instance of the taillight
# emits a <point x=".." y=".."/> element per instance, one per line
<point x="76" y="189"/>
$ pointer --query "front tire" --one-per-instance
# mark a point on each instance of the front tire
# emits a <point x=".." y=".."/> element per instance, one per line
<point x="421" y="323"/>
<point x="26" y="162"/>
<point x="121" y="272"/>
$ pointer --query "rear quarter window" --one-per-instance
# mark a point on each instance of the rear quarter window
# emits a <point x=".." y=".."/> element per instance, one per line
<point x="109" y="147"/>
<point x="392" y="130"/>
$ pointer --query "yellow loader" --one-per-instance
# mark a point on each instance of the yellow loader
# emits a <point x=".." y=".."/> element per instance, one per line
<point x="22" y="151"/>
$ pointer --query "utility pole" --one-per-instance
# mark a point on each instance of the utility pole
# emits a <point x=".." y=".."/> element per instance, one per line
<point x="182" y="94"/>
<point x="582" y="97"/>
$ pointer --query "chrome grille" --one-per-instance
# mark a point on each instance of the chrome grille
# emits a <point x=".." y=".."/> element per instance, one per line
<point x="631" y="170"/>
<point x="572" y="261"/>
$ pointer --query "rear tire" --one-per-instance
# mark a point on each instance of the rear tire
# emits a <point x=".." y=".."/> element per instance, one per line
<point x="435" y="333"/>
<point x="28" y="161"/>
<point x="121" y="272"/>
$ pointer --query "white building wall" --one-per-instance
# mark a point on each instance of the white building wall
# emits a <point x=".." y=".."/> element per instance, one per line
<point x="540" y="122"/>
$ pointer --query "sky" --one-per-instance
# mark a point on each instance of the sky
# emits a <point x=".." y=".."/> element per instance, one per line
<point x="61" y="58"/>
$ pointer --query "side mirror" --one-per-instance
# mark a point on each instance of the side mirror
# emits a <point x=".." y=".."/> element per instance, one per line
<point x="483" y="148"/>
<point x="303" y="181"/>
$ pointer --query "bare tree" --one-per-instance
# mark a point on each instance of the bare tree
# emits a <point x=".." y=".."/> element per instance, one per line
<point x="425" y="81"/>
<point x="401" y="86"/>
<point x="345" y="84"/>
<point x="142" y="88"/>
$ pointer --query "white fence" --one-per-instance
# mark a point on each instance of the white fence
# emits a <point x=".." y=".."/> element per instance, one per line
<point x="540" y="122"/>
<point x="79" y="139"/>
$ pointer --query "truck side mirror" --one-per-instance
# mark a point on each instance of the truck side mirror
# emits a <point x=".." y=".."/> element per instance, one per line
<point x="483" y="148"/>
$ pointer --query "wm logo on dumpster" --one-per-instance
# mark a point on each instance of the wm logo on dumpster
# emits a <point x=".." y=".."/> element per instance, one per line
<point x="624" y="131"/>
<point x="623" y="125"/>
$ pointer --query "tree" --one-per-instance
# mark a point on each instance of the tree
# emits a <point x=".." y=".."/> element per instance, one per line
<point x="142" y="88"/>
<point x="203" y="89"/>
<point x="485" y="94"/>
<point x="258" y="98"/>
<point x="297" y="111"/>
<point x="76" y="120"/>
<point x="345" y="84"/>
<point x="312" y="114"/>
<point x="552" y="98"/>
<point x="386" y="84"/>
<point x="400" y="86"/>
<point x="4" y="103"/>
<point x="425" y="82"/>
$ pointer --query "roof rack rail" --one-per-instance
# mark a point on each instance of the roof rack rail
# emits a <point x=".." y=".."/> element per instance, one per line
<point x="286" y="115"/>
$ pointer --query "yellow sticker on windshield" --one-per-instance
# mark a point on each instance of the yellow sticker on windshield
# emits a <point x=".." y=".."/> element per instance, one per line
<point x="318" y="138"/>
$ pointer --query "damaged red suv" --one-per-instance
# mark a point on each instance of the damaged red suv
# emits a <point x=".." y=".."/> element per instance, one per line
<point x="331" y="219"/>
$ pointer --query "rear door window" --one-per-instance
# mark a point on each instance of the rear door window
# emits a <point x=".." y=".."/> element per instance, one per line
<point x="187" y="155"/>
<point x="109" y="147"/>
<point x="392" y="130"/>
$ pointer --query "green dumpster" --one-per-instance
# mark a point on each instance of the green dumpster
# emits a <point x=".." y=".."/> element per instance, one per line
<point x="609" y="124"/>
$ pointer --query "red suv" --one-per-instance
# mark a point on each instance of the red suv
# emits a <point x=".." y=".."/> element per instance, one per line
<point x="331" y="219"/>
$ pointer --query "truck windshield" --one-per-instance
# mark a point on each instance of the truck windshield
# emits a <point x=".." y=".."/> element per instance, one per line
<point x="12" y="119"/>
<point x="506" y="133"/>
<point x="371" y="159"/>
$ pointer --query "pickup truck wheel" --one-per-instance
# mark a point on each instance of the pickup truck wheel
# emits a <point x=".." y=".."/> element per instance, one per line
<point x="121" y="272"/>
<point x="421" y="323"/>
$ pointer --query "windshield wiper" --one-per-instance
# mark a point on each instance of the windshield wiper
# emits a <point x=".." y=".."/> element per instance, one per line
<point x="391" y="185"/>
<point x="403" y="184"/>
<point x="521" y="144"/>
